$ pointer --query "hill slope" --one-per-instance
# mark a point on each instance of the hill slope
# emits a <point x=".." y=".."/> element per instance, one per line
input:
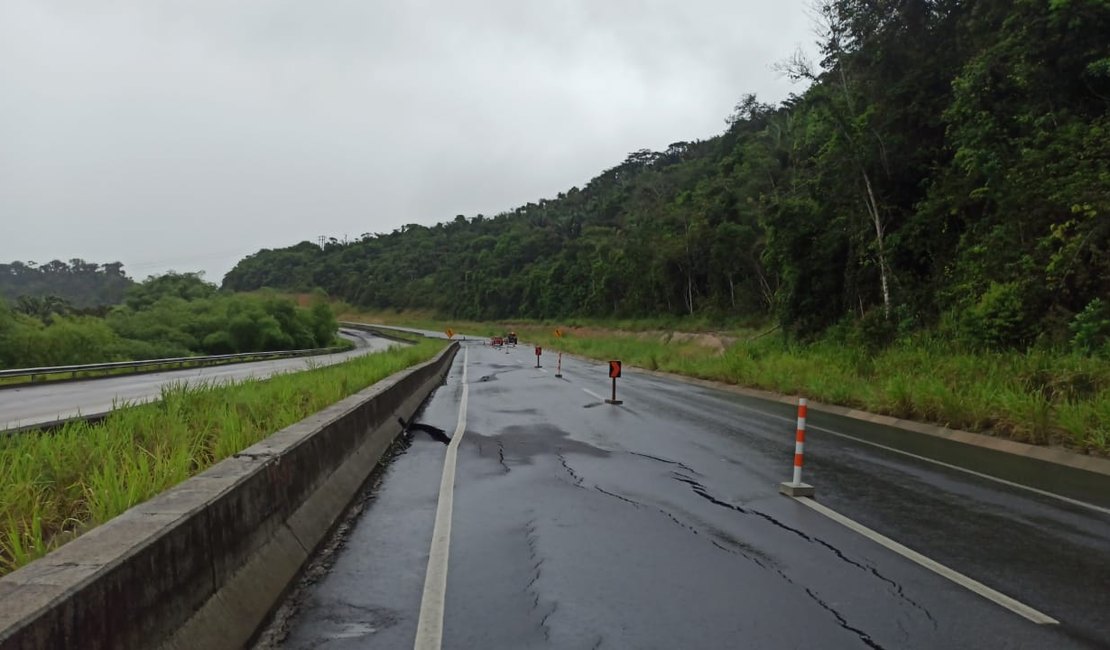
<point x="949" y="160"/>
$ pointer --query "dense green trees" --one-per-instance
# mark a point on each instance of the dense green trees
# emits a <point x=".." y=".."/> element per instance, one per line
<point x="947" y="166"/>
<point x="166" y="316"/>
<point x="80" y="284"/>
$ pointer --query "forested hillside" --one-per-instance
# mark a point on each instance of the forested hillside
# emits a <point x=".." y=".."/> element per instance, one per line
<point x="948" y="165"/>
<point x="79" y="283"/>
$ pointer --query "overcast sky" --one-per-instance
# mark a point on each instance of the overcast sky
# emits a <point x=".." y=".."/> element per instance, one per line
<point x="186" y="134"/>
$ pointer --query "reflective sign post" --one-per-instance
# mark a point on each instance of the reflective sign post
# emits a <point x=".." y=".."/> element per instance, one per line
<point x="539" y="351"/>
<point x="614" y="373"/>
<point x="795" y="487"/>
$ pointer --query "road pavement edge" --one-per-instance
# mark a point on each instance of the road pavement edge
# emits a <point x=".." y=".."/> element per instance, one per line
<point x="1057" y="471"/>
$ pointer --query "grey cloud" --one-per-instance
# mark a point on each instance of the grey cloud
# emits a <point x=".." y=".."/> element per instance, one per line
<point x="187" y="134"/>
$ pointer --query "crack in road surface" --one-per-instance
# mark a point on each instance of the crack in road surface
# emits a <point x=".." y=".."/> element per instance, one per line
<point x="863" y="636"/>
<point x="532" y="538"/>
<point x="669" y="462"/>
<point x="436" y="433"/>
<point x="701" y="491"/>
<point x="569" y="469"/>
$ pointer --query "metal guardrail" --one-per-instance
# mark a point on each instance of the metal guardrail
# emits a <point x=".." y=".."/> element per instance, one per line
<point x="136" y="366"/>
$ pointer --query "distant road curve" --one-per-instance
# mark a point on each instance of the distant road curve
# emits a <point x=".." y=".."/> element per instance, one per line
<point x="410" y="330"/>
<point x="47" y="403"/>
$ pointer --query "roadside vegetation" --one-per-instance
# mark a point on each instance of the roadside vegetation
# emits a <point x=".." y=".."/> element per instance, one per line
<point x="926" y="225"/>
<point x="1039" y="396"/>
<point x="173" y="315"/>
<point x="54" y="486"/>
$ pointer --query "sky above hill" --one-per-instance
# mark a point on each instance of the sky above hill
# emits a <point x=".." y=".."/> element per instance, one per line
<point x="186" y="134"/>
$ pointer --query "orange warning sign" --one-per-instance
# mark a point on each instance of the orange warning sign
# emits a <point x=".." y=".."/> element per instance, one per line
<point x="558" y="333"/>
<point x="450" y="333"/>
<point x="614" y="369"/>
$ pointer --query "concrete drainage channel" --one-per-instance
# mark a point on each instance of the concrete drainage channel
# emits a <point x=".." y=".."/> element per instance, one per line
<point x="204" y="563"/>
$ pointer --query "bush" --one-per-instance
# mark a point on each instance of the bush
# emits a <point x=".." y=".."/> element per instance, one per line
<point x="876" y="330"/>
<point x="1091" y="329"/>
<point x="178" y="317"/>
<point x="1000" y="318"/>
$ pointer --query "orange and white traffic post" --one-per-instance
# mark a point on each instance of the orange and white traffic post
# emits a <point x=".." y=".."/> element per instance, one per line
<point x="559" y="366"/>
<point x="795" y="487"/>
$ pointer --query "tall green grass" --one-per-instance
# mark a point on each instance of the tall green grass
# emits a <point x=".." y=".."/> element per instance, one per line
<point x="53" y="486"/>
<point x="429" y="320"/>
<point x="1037" y="397"/>
<point x="1040" y="397"/>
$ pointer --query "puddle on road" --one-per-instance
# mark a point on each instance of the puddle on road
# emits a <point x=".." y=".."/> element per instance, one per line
<point x="498" y="369"/>
<point x="352" y="631"/>
<point x="519" y="444"/>
<point x="517" y="411"/>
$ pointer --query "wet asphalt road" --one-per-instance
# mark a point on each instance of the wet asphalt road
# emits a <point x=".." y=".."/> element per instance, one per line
<point x="45" y="403"/>
<point x="657" y="524"/>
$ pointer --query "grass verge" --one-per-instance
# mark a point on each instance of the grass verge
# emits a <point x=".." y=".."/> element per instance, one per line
<point x="55" y="486"/>
<point x="1037" y="397"/>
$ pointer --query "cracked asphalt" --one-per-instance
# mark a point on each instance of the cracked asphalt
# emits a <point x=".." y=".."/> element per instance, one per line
<point x="657" y="524"/>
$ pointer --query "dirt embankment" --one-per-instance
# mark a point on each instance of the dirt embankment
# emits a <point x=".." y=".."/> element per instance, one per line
<point x="714" y="341"/>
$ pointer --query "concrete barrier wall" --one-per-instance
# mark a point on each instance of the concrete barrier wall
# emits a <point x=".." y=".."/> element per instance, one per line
<point x="203" y="564"/>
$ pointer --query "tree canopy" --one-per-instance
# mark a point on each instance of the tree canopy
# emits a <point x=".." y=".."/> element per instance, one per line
<point x="80" y="284"/>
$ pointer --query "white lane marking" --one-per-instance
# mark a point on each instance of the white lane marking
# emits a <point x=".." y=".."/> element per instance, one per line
<point x="592" y="394"/>
<point x="971" y="584"/>
<point x="1060" y="497"/>
<point x="1044" y="493"/>
<point x="429" y="628"/>
<point x="542" y="370"/>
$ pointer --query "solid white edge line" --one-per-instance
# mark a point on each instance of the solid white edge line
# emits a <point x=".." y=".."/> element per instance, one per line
<point x="429" y="627"/>
<point x="1002" y="481"/>
<point x="1053" y="495"/>
<point x="592" y="394"/>
<point x="971" y="584"/>
<point x="1044" y="493"/>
